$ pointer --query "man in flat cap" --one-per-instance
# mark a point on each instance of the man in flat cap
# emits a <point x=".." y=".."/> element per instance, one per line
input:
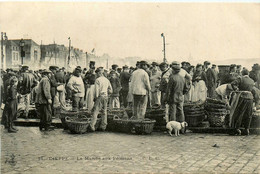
<point x="54" y="85"/>
<point x="255" y="74"/>
<point x="114" y="101"/>
<point x="155" y="80"/>
<point x="76" y="85"/>
<point x="124" y="80"/>
<point x="211" y="81"/>
<point x="174" y="94"/>
<point x="25" y="86"/>
<point x="140" y="88"/>
<point x="102" y="89"/>
<point x="44" y="100"/>
<point x="164" y="81"/>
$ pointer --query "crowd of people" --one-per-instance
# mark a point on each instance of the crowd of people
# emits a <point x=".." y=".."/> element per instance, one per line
<point x="166" y="86"/>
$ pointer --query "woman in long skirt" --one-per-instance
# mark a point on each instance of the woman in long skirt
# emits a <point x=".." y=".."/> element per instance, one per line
<point x="199" y="80"/>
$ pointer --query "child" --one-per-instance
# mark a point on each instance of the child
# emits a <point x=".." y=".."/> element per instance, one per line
<point x="11" y="104"/>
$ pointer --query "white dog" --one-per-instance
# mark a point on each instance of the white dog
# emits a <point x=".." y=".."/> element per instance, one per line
<point x="177" y="126"/>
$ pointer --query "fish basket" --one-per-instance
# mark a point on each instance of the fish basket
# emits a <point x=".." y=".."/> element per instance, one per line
<point x="255" y="122"/>
<point x="122" y="125"/>
<point x="143" y="126"/>
<point x="72" y="114"/>
<point x="78" y="125"/>
<point x="216" y="120"/>
<point x="194" y="120"/>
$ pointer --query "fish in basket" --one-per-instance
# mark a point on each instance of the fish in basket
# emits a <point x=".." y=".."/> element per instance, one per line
<point x="78" y="125"/>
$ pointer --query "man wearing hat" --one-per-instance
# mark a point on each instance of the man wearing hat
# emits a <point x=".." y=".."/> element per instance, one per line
<point x="164" y="81"/>
<point x="140" y="88"/>
<point x="174" y="94"/>
<point x="155" y="80"/>
<point x="242" y="103"/>
<point x="102" y="89"/>
<point x="25" y="86"/>
<point x="116" y="86"/>
<point x="44" y="100"/>
<point x="211" y="81"/>
<point x="54" y="85"/>
<point x="89" y="81"/>
<point x="124" y="80"/>
<point x="76" y="85"/>
<point x="233" y="75"/>
<point x="255" y="74"/>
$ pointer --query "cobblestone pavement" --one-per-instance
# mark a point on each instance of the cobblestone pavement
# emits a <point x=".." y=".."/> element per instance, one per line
<point x="32" y="151"/>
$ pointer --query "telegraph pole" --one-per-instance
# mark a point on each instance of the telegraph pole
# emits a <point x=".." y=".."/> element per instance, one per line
<point x="164" y="53"/>
<point x="3" y="36"/>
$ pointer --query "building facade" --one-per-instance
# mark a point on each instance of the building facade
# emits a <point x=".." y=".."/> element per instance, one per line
<point x="32" y="53"/>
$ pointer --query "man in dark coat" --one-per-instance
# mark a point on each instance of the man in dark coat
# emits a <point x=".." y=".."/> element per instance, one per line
<point x="60" y="78"/>
<point x="242" y="103"/>
<point x="124" y="79"/>
<point x="212" y="81"/>
<point x="174" y="94"/>
<point x="54" y="85"/>
<point x="25" y="86"/>
<point x="44" y="99"/>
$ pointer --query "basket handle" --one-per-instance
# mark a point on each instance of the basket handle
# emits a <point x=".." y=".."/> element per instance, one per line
<point x="67" y="118"/>
<point x="116" y="117"/>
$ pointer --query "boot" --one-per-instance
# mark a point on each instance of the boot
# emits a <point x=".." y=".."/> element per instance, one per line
<point x="12" y="126"/>
<point x="247" y="132"/>
<point x="10" y="129"/>
<point x="237" y="132"/>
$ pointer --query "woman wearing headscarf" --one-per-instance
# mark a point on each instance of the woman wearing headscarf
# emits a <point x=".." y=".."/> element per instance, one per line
<point x="199" y="81"/>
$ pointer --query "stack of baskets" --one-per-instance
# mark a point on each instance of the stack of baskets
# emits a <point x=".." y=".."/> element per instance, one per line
<point x="216" y="111"/>
<point x="78" y="125"/>
<point x="194" y="113"/>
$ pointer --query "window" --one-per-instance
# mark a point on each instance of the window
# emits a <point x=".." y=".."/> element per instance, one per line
<point x="35" y="55"/>
<point x="13" y="56"/>
<point x="17" y="56"/>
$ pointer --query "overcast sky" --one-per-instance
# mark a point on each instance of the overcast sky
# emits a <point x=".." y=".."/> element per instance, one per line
<point x="199" y="30"/>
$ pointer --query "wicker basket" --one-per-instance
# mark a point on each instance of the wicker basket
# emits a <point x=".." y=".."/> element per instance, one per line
<point x="194" y="119"/>
<point x="255" y="122"/>
<point x="143" y="126"/>
<point x="78" y="126"/>
<point x="216" y="120"/>
<point x="64" y="114"/>
<point x="122" y="125"/>
<point x="215" y="101"/>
